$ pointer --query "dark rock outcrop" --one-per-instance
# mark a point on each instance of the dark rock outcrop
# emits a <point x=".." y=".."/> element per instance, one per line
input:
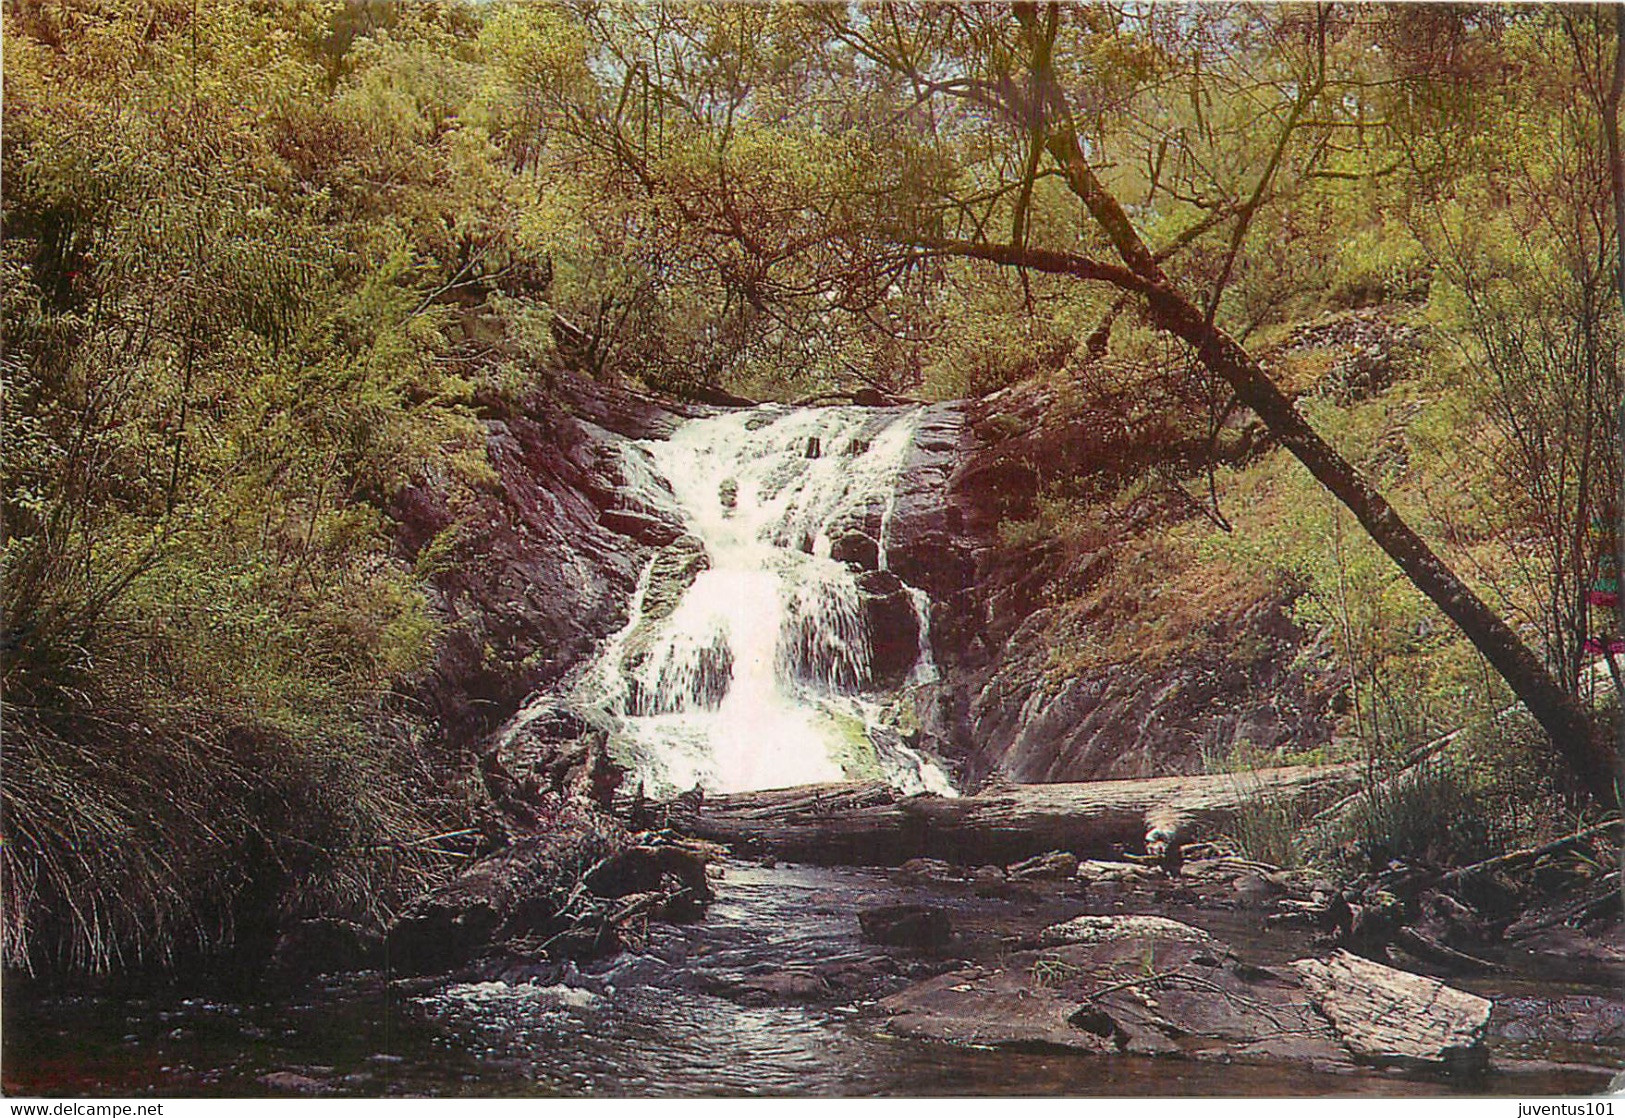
<point x="906" y="925"/>
<point x="894" y="627"/>
<point x="572" y="889"/>
<point x="533" y="572"/>
<point x="321" y="945"/>
<point x="856" y="549"/>
<point x="528" y="577"/>
<point x="1014" y="610"/>
<point x="932" y="537"/>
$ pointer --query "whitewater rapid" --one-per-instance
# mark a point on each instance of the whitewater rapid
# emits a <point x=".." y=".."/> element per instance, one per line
<point x="760" y="676"/>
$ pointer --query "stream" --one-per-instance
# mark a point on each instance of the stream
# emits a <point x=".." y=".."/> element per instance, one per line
<point x="721" y="1007"/>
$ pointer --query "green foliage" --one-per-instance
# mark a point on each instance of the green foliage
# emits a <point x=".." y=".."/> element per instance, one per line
<point x="1411" y="676"/>
<point x="225" y="357"/>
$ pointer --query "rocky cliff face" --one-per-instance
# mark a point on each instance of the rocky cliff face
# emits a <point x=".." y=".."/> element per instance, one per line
<point x="539" y="567"/>
<point x="1040" y="683"/>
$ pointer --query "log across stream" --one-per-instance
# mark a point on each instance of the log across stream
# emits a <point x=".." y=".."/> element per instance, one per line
<point x="873" y="824"/>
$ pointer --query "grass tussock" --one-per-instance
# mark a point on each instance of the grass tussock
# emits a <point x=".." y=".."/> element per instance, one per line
<point x="1489" y="791"/>
<point x="143" y="829"/>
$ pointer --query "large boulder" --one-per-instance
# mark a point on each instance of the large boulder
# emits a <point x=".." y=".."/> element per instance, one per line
<point x="1146" y="985"/>
<point x="1389" y="1016"/>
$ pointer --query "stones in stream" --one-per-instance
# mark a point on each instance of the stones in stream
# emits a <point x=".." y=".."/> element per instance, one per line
<point x="1057" y="865"/>
<point x="1110" y="929"/>
<point x="906" y="925"/>
<point x="1147" y="985"/>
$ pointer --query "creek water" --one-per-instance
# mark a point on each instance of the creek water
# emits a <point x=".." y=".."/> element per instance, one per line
<point x="690" y="1014"/>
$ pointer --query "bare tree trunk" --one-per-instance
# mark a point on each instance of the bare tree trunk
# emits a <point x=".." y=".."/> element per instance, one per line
<point x="1560" y="713"/>
<point x="1616" y="157"/>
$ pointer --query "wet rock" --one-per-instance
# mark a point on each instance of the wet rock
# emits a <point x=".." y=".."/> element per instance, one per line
<point x="1119" y="929"/>
<point x="323" y="945"/>
<point x="894" y="627"/>
<point x="1388" y="1016"/>
<point x="989" y="881"/>
<point x="1256" y="890"/>
<point x="291" y="1082"/>
<point x="921" y="871"/>
<point x="1561" y="1019"/>
<point x="1159" y="996"/>
<point x="1572" y="953"/>
<point x="906" y="925"/>
<point x="1094" y="872"/>
<point x="681" y="686"/>
<point x="1252" y="679"/>
<point x="632" y="415"/>
<point x="1057" y="865"/>
<point x="654" y="531"/>
<point x="928" y="544"/>
<point x="788" y="985"/>
<point x="856" y="549"/>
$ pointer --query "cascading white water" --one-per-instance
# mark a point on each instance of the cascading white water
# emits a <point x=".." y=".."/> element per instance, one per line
<point x="755" y="677"/>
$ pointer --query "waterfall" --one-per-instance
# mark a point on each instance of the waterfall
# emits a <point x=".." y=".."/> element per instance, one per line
<point x="747" y="658"/>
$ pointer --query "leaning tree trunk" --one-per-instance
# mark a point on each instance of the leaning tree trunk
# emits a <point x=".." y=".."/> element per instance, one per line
<point x="1565" y="719"/>
<point x="1567" y="722"/>
<point x="1616" y="157"/>
<point x="1559" y="712"/>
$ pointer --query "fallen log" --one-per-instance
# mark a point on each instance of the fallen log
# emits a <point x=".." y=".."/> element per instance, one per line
<point x="872" y="824"/>
<point x="1519" y="857"/>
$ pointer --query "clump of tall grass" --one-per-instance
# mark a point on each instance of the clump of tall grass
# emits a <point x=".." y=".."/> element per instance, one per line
<point x="1488" y="789"/>
<point x="1430" y="812"/>
<point x="138" y="832"/>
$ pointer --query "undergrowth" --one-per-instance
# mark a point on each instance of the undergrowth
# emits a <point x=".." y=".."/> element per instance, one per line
<point x="1487" y="791"/>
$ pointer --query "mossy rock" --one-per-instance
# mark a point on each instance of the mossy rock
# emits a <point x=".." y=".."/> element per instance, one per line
<point x="675" y="569"/>
<point x="854" y="751"/>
